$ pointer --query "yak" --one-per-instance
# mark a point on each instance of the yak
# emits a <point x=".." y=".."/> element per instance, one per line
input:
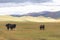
<point x="42" y="27"/>
<point x="10" y="26"/>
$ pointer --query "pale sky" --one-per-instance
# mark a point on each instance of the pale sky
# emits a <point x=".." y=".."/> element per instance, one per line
<point x="7" y="8"/>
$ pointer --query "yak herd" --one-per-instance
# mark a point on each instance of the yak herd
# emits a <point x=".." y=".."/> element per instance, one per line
<point x="13" y="26"/>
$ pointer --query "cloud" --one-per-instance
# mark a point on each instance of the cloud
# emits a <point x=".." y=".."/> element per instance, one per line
<point x="28" y="7"/>
<point x="54" y="3"/>
<point x="22" y="1"/>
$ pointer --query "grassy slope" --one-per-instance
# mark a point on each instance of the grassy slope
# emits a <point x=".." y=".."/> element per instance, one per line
<point x="30" y="31"/>
<point x="27" y="18"/>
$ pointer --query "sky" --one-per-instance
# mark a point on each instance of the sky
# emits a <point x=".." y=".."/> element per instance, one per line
<point x="8" y="7"/>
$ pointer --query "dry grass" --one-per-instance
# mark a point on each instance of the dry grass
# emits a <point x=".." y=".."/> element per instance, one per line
<point x="30" y="31"/>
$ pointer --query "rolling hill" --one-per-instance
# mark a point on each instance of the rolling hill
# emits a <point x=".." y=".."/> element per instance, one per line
<point x="28" y="19"/>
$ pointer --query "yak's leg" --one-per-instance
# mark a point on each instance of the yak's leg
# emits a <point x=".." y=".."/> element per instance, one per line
<point x="7" y="28"/>
<point x="42" y="28"/>
<point x="11" y="28"/>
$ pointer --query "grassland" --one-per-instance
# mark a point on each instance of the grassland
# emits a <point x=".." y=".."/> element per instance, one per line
<point x="30" y="31"/>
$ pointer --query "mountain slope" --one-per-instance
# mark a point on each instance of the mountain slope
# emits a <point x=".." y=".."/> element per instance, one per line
<point x="27" y="19"/>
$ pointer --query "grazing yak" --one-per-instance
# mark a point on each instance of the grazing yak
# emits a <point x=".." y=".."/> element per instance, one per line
<point x="42" y="27"/>
<point x="10" y="26"/>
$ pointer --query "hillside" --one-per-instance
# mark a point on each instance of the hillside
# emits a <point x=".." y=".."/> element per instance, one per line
<point x="28" y="19"/>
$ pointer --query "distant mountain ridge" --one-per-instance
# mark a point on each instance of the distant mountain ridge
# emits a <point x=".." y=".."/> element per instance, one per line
<point x="55" y="15"/>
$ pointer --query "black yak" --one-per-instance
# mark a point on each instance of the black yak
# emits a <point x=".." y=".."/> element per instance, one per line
<point x="10" y="26"/>
<point x="42" y="27"/>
